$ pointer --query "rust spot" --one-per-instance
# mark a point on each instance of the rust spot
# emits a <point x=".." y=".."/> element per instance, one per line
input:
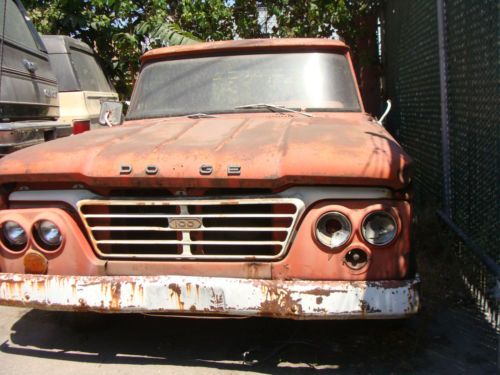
<point x="253" y="270"/>
<point x="177" y="291"/>
<point x="320" y="310"/>
<point x="319" y="300"/>
<point x="115" y="296"/>
<point x="217" y="302"/>
<point x="279" y="302"/>
<point x="388" y="284"/>
<point x="192" y="308"/>
<point x="413" y="304"/>
<point x="175" y="288"/>
<point x="140" y="292"/>
<point x="320" y="292"/>
<point x="366" y="308"/>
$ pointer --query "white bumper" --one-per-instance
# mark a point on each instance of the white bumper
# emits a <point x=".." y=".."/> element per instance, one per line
<point x="190" y="295"/>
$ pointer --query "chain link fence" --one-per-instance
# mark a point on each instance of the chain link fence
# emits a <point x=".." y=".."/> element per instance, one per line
<point x="457" y="170"/>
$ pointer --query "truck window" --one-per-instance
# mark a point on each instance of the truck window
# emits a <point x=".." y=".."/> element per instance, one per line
<point x="309" y="80"/>
<point x="88" y="72"/>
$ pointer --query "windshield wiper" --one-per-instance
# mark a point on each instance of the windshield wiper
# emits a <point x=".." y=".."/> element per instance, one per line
<point x="271" y="107"/>
<point x="200" y="115"/>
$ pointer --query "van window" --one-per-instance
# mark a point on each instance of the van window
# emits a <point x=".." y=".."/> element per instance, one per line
<point x="16" y="28"/>
<point x="63" y="70"/>
<point x="88" y="72"/>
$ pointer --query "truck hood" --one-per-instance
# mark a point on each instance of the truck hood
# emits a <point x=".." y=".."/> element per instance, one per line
<point x="273" y="151"/>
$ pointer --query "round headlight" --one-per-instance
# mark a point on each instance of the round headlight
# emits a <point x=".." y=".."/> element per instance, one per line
<point x="379" y="228"/>
<point x="333" y="229"/>
<point x="14" y="234"/>
<point x="49" y="233"/>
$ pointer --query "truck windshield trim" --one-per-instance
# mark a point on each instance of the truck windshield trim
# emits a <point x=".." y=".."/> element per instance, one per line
<point x="311" y="81"/>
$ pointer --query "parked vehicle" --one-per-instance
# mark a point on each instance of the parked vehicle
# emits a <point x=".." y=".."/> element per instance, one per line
<point x="29" y="108"/>
<point x="247" y="180"/>
<point x="82" y="83"/>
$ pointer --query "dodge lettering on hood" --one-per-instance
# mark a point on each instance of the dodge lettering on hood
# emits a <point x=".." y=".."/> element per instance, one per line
<point x="246" y="180"/>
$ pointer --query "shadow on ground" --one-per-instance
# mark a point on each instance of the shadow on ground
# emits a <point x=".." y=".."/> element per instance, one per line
<point x="455" y="341"/>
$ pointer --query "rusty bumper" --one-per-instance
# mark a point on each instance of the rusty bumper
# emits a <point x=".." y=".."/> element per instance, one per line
<point x="188" y="295"/>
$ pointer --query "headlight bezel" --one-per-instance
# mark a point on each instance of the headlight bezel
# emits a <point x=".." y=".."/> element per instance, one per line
<point x="321" y="237"/>
<point x="386" y="213"/>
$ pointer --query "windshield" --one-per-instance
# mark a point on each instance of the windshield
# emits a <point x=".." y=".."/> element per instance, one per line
<point x="311" y="81"/>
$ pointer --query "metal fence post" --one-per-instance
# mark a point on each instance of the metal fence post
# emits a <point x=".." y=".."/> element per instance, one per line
<point x="445" y="133"/>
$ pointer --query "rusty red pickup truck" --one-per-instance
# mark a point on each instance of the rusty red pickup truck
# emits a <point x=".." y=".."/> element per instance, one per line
<point x="246" y="180"/>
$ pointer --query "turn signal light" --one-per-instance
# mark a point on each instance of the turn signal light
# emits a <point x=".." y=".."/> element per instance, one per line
<point x="35" y="263"/>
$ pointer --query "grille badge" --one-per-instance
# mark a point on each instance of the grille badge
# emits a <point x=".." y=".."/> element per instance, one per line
<point x="184" y="223"/>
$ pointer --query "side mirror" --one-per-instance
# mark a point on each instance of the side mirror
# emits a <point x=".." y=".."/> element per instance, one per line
<point x="384" y="115"/>
<point x="111" y="114"/>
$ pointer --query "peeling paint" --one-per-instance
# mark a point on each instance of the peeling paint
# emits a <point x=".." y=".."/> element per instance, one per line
<point x="297" y="299"/>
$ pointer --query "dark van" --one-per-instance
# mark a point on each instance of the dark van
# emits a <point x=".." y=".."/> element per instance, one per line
<point x="29" y="106"/>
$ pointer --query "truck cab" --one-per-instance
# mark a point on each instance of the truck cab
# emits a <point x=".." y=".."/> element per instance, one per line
<point x="246" y="180"/>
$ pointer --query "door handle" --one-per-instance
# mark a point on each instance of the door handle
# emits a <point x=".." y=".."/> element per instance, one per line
<point x="29" y="65"/>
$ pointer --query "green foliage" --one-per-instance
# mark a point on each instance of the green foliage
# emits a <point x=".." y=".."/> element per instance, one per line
<point x="211" y="20"/>
<point x="307" y="18"/>
<point x="121" y="30"/>
<point x="165" y="34"/>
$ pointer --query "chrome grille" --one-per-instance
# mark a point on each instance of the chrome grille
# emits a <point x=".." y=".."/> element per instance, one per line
<point x="258" y="228"/>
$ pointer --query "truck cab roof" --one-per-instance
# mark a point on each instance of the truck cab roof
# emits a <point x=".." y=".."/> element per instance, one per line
<point x="245" y="45"/>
